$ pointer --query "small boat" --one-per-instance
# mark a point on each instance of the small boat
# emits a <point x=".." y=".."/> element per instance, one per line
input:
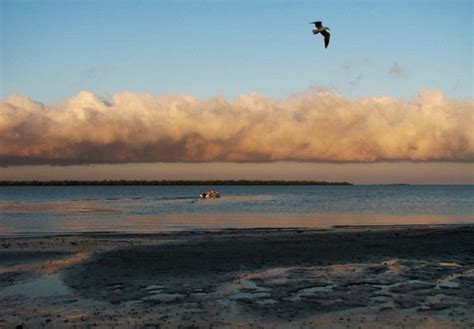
<point x="211" y="194"/>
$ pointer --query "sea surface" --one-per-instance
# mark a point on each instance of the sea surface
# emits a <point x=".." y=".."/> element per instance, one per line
<point x="50" y="210"/>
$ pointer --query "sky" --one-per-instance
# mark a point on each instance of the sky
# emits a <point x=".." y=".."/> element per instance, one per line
<point x="237" y="85"/>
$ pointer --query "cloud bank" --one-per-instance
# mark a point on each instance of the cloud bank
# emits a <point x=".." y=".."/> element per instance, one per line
<point x="313" y="126"/>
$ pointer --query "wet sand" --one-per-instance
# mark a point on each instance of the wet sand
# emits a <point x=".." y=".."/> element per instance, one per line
<point x="344" y="277"/>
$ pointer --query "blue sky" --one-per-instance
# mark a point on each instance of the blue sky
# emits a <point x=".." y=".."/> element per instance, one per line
<point x="51" y="50"/>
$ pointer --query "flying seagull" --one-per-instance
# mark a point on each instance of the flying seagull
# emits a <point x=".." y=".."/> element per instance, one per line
<point x="323" y="30"/>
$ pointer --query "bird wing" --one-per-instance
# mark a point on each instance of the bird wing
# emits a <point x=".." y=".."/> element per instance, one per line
<point x="327" y="36"/>
<point x="318" y="24"/>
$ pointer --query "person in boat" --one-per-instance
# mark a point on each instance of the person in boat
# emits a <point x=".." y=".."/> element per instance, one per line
<point x="210" y="194"/>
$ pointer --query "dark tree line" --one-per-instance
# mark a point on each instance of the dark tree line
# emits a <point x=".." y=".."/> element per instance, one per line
<point x="122" y="182"/>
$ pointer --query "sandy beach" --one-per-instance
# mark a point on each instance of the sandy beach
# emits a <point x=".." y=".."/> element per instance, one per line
<point x="343" y="277"/>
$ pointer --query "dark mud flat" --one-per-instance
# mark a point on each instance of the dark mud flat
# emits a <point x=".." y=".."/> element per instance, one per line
<point x="364" y="277"/>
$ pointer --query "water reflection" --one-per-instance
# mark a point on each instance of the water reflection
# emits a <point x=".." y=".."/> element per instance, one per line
<point x="213" y="221"/>
<point x="44" y="286"/>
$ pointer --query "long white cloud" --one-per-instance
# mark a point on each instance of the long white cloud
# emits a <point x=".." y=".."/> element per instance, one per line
<point x="312" y="126"/>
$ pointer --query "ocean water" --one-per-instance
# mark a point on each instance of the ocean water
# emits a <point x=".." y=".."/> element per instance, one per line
<point x="45" y="210"/>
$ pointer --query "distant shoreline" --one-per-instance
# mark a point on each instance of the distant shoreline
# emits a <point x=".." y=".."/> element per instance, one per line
<point x="169" y="183"/>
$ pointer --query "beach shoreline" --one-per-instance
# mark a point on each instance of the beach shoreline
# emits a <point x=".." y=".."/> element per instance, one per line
<point x="346" y="276"/>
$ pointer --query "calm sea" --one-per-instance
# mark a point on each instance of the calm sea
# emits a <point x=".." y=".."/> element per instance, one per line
<point x="147" y="209"/>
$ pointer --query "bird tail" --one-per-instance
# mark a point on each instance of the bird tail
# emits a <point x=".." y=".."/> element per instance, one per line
<point x="315" y="32"/>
